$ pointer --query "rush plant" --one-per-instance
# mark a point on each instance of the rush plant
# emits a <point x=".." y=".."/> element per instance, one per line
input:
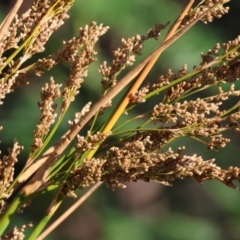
<point x="90" y="153"/>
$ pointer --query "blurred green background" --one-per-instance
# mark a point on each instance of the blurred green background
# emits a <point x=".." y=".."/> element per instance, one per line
<point x="143" y="211"/>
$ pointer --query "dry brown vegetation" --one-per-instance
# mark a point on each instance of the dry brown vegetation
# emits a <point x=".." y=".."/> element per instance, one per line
<point x="103" y="154"/>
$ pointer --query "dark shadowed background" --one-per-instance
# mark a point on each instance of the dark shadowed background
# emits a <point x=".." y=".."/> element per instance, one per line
<point x="186" y="211"/>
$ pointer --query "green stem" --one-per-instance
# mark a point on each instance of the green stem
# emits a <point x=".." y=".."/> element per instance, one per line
<point x="6" y="218"/>
<point x="38" y="229"/>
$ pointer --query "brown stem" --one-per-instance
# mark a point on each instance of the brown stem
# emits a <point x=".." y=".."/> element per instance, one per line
<point x="69" y="211"/>
<point x="8" y="19"/>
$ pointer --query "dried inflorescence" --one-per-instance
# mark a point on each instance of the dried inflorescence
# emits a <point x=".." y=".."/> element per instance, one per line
<point x="234" y="120"/>
<point x="45" y="25"/>
<point x="79" y="51"/>
<point x="200" y="117"/>
<point x="7" y="170"/>
<point x="216" y="12"/>
<point x="29" y="33"/>
<point x="153" y="89"/>
<point x="139" y="153"/>
<point x="226" y="59"/>
<point x="216" y="7"/>
<point x="79" y="115"/>
<point x="141" y="157"/>
<point x="17" y="233"/>
<point x="228" y="53"/>
<point x="80" y="60"/>
<point x="139" y="96"/>
<point x="125" y="56"/>
<point x="133" y="162"/>
<point x="50" y="92"/>
<point x="83" y="177"/>
<point x="89" y="142"/>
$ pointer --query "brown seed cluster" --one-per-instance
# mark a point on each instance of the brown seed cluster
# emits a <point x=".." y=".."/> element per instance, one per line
<point x="16" y="233"/>
<point x="28" y="33"/>
<point x="80" y="60"/>
<point x="220" y="64"/>
<point x="79" y="115"/>
<point x="50" y="92"/>
<point x="139" y="153"/>
<point x="89" y="142"/>
<point x="133" y="162"/>
<point x="198" y="118"/>
<point x="79" y="51"/>
<point x="226" y="69"/>
<point x="139" y="96"/>
<point x="218" y="9"/>
<point x="7" y="169"/>
<point x="125" y="56"/>
<point x="141" y="156"/>
<point x="89" y="173"/>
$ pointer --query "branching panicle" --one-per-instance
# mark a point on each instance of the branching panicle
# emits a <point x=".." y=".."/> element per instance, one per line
<point x="216" y="7"/>
<point x="123" y="165"/>
<point x="125" y="56"/>
<point x="137" y="149"/>
<point x="49" y="94"/>
<point x="29" y="33"/>
<point x="7" y="170"/>
<point x="80" y="60"/>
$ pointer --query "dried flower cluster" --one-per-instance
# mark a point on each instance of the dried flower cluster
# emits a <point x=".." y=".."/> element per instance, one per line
<point x="7" y="170"/>
<point x="226" y="69"/>
<point x="79" y="60"/>
<point x="202" y="119"/>
<point x="135" y="161"/>
<point x="29" y="33"/>
<point x="216" y="7"/>
<point x="16" y="233"/>
<point x="126" y="56"/>
<point x="47" y="107"/>
<point x="114" y="156"/>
